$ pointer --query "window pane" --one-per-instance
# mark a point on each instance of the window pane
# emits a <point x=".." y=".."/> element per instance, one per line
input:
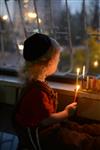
<point x="75" y="24"/>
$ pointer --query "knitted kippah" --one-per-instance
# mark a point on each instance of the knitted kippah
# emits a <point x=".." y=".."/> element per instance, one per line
<point x="36" y="46"/>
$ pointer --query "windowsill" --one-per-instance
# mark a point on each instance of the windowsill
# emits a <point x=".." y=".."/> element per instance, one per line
<point x="16" y="82"/>
<point x="8" y="72"/>
<point x="11" y="81"/>
<point x="63" y="87"/>
<point x="68" y="78"/>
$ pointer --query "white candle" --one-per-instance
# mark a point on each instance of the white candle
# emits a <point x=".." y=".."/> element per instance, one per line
<point x="83" y="72"/>
<point x="83" y="76"/>
<point x="77" y="71"/>
<point x="76" y="92"/>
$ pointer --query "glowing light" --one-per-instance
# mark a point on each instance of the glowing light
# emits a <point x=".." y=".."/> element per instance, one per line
<point x="32" y="15"/>
<point x="76" y="92"/>
<point x="26" y="1"/>
<point x="96" y="63"/>
<point x="5" y="17"/>
<point x="77" y="87"/>
<point x="78" y="71"/>
<point x="20" y="46"/>
<point x="39" y="20"/>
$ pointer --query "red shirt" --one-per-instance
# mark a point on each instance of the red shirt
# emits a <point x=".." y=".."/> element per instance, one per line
<point x="35" y="106"/>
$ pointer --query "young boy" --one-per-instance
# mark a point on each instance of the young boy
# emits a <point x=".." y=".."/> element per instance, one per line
<point x="38" y="104"/>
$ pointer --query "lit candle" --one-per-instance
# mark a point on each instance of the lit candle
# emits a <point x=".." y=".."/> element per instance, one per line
<point x="76" y="92"/>
<point x="83" y="76"/>
<point x="78" y="71"/>
<point x="83" y="72"/>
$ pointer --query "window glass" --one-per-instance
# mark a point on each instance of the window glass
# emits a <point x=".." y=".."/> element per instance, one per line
<point x="75" y="24"/>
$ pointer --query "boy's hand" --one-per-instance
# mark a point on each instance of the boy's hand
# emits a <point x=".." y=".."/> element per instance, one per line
<point x="71" y="106"/>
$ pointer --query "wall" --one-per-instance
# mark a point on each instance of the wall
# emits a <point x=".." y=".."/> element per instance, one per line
<point x="88" y="103"/>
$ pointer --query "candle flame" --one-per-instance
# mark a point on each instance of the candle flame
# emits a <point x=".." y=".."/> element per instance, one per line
<point x="76" y="92"/>
<point x="78" y="71"/>
<point x="77" y="87"/>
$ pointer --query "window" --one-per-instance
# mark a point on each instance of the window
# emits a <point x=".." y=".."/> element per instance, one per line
<point x="75" y="24"/>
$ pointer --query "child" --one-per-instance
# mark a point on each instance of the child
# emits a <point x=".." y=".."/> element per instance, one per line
<point x="39" y="101"/>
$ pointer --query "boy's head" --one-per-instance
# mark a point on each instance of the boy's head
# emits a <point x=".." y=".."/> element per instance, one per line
<point x="37" y="46"/>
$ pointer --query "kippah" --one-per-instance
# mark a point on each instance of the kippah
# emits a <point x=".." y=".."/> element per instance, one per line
<point x="36" y="46"/>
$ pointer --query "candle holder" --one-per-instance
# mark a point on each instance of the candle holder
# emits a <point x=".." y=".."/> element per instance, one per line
<point x="87" y="83"/>
<point x="83" y="83"/>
